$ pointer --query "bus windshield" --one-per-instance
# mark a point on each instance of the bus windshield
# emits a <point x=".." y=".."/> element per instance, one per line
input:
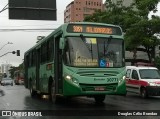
<point x="94" y="52"/>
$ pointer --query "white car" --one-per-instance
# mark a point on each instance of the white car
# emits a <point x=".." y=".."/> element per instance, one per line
<point x="143" y="80"/>
<point x="7" y="81"/>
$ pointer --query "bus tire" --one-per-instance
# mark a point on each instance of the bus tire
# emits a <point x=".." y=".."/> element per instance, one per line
<point x="53" y="97"/>
<point x="99" y="98"/>
<point x="32" y="91"/>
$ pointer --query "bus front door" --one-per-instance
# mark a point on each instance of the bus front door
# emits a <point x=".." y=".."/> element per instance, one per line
<point x="58" y="67"/>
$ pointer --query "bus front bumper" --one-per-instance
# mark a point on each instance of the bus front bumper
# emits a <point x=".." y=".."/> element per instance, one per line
<point x="71" y="89"/>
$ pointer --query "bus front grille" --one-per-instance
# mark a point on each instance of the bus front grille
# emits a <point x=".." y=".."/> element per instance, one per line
<point x="102" y="87"/>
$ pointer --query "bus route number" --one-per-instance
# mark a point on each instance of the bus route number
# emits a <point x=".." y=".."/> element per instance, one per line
<point x="77" y="29"/>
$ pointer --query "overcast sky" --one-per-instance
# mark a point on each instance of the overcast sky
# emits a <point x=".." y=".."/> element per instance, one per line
<point x="23" y="40"/>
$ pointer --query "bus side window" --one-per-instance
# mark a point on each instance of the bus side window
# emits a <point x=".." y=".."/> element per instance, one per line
<point x="44" y="53"/>
<point x="50" y="47"/>
<point x="27" y="60"/>
<point x="30" y="59"/>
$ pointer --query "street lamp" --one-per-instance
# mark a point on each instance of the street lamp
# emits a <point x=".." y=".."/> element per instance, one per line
<point x="5" y="45"/>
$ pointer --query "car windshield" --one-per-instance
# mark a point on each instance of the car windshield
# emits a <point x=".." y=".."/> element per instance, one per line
<point x="149" y="74"/>
<point x="94" y="52"/>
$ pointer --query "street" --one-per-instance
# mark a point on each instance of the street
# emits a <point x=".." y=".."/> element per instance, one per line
<point x="17" y="97"/>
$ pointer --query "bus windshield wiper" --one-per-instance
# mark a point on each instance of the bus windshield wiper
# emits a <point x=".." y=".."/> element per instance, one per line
<point x="89" y="48"/>
<point x="107" y="45"/>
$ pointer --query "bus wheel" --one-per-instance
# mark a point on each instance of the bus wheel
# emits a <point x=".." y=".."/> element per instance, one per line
<point x="32" y="92"/>
<point x="144" y="93"/>
<point x="99" y="98"/>
<point x="53" y="92"/>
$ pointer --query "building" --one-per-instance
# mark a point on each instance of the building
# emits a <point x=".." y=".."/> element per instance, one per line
<point x="77" y="10"/>
<point x="5" y="69"/>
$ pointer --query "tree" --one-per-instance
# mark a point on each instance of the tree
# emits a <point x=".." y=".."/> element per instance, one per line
<point x="138" y="28"/>
<point x="157" y="62"/>
<point x="13" y="69"/>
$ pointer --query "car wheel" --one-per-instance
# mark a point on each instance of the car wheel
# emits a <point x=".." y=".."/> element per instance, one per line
<point x="144" y="93"/>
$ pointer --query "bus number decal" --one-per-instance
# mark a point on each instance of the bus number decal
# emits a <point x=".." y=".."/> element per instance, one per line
<point x="112" y="80"/>
<point x="77" y="29"/>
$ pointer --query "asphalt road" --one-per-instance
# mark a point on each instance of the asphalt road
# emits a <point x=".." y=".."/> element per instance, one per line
<point x="17" y="98"/>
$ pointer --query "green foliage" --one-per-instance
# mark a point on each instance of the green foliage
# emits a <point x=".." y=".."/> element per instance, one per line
<point x="13" y="69"/>
<point x="138" y="28"/>
<point x="157" y="62"/>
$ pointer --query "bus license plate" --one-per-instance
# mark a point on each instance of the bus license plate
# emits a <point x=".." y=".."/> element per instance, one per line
<point x="99" y="88"/>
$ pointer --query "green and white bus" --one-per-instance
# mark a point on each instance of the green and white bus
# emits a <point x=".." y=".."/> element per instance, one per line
<point x="78" y="59"/>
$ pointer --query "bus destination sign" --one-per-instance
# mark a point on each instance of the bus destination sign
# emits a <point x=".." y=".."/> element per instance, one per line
<point x="84" y="28"/>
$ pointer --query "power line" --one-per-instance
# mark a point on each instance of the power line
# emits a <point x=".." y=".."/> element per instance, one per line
<point x="32" y="25"/>
<point x="4" y="8"/>
<point x="7" y="30"/>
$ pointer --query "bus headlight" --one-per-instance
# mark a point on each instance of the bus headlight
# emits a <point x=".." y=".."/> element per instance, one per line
<point x="69" y="78"/>
<point x="122" y="79"/>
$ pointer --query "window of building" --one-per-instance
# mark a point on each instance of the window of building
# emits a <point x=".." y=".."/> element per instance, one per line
<point x="91" y="3"/>
<point x="86" y="2"/>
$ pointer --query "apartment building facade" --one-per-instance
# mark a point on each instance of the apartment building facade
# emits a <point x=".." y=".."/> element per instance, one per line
<point x="77" y="10"/>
